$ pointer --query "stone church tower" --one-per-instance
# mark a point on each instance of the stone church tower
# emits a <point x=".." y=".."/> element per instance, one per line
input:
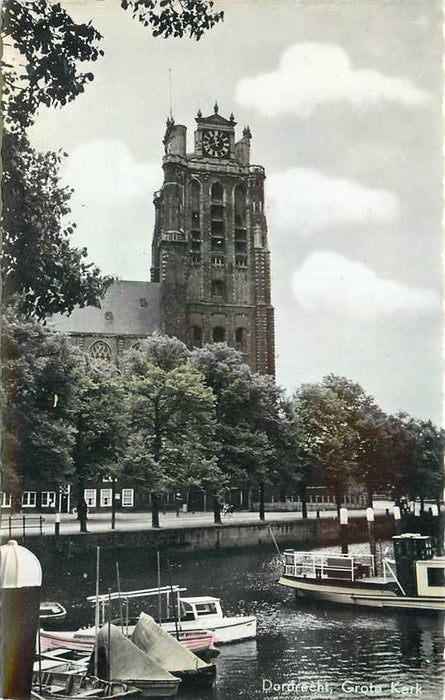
<point x="209" y="250"/>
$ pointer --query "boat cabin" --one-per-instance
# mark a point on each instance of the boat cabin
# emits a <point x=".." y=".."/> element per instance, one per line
<point x="200" y="606"/>
<point x="326" y="566"/>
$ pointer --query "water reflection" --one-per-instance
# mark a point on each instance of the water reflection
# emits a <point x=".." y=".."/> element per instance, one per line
<point x="296" y="641"/>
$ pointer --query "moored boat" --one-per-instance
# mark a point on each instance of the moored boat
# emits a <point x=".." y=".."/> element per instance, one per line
<point x="414" y="580"/>
<point x="59" y="679"/>
<point x="119" y="659"/>
<point x="52" y="613"/>
<point x="165" y="650"/>
<point x="189" y="614"/>
<point x="201" y="642"/>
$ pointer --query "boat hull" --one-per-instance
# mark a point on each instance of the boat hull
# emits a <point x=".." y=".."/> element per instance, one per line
<point x="349" y="595"/>
<point x="225" y="630"/>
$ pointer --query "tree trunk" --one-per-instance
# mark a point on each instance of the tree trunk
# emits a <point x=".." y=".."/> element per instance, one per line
<point x="216" y="510"/>
<point x="369" y="498"/>
<point x="82" y="507"/>
<point x="262" y="509"/>
<point x="16" y="502"/>
<point x="155" y="510"/>
<point x="303" y="497"/>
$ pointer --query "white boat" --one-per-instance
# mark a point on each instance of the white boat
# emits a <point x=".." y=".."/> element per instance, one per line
<point x="205" y="613"/>
<point x="188" y="614"/>
<point x="52" y="612"/>
<point x="414" y="580"/>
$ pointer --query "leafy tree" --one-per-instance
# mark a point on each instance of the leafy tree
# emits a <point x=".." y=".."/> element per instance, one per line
<point x="171" y="419"/>
<point x="247" y="420"/>
<point x="100" y="425"/>
<point x="369" y="423"/>
<point x="43" y="47"/>
<point x="323" y="439"/>
<point x="42" y="271"/>
<point x="415" y="458"/>
<point x="39" y="388"/>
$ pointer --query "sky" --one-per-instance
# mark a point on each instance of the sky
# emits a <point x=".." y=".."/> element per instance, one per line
<point x="343" y="99"/>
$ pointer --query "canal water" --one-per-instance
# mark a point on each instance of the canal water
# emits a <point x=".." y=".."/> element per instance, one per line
<point x="302" y="650"/>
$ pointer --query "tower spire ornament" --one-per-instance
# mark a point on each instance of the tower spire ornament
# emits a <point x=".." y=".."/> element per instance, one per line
<point x="170" y="92"/>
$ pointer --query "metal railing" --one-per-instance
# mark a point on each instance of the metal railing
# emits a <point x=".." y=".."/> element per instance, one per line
<point x="327" y="565"/>
<point x="12" y="523"/>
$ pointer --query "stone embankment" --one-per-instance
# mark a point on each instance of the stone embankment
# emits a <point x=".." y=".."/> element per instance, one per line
<point x="299" y="533"/>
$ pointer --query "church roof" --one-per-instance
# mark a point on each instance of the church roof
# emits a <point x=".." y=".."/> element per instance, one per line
<point x="128" y="308"/>
<point x="215" y="119"/>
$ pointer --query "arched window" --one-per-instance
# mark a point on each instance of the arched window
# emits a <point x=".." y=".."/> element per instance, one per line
<point x="240" y="206"/>
<point x="217" y="192"/>
<point x="197" y="336"/>
<point x="240" y="227"/>
<point x="218" y="288"/>
<point x="219" y="334"/>
<point x="195" y="222"/>
<point x="217" y="223"/>
<point x="100" y="351"/>
<point x="240" y="339"/>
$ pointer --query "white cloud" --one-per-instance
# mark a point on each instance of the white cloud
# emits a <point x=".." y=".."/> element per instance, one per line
<point x="310" y="74"/>
<point x="106" y="172"/>
<point x="330" y="281"/>
<point x="304" y="200"/>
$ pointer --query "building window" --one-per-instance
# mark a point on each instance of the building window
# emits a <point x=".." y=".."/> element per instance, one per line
<point x="6" y="500"/>
<point x="143" y="303"/>
<point x="241" y="262"/>
<point x="127" y="498"/>
<point x="197" y="336"/>
<point x="219" y="334"/>
<point x="100" y="351"/>
<point x="195" y="222"/>
<point x="240" y="339"/>
<point x="90" y="497"/>
<point x="106" y="496"/>
<point x="240" y="227"/>
<point x="29" y="499"/>
<point x="217" y="192"/>
<point x="48" y="499"/>
<point x="218" y="288"/>
<point x="217" y="260"/>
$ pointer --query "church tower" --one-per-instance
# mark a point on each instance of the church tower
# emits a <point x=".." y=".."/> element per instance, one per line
<point x="209" y="249"/>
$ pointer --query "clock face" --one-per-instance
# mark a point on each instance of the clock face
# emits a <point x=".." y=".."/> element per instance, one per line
<point x="216" y="143"/>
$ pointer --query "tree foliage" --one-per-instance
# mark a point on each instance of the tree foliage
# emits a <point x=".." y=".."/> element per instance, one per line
<point x="175" y="17"/>
<point x="171" y="418"/>
<point x="38" y="376"/>
<point x="41" y="268"/>
<point x="248" y="421"/>
<point x="43" y="49"/>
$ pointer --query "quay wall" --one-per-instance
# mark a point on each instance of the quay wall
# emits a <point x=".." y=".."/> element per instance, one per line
<point x="310" y="533"/>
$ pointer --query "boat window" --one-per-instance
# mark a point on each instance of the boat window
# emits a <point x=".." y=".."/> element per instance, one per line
<point x="436" y="577"/>
<point x="206" y="609"/>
